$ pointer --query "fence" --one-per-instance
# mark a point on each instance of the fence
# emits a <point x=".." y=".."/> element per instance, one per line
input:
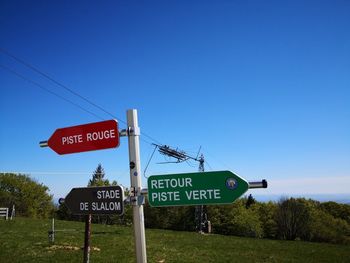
<point x="4" y="211"/>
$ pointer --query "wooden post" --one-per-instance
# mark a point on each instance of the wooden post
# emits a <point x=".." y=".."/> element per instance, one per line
<point x="87" y="238"/>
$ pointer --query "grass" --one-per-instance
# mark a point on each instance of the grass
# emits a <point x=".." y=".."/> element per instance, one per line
<point x="26" y="240"/>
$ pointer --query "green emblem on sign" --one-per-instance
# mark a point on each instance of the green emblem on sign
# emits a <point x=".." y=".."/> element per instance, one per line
<point x="204" y="188"/>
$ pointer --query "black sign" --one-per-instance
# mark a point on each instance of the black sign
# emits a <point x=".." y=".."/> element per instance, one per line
<point x="100" y="200"/>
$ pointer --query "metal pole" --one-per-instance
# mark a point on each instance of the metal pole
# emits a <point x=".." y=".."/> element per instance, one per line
<point x="200" y="208"/>
<point x="136" y="186"/>
<point x="87" y="238"/>
<point x="259" y="184"/>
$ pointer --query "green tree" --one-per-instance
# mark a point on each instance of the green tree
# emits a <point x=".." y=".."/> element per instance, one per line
<point x="250" y="201"/>
<point x="235" y="219"/>
<point x="98" y="180"/>
<point x="326" y="228"/>
<point x="266" y="212"/>
<point x="293" y="219"/>
<point x="341" y="211"/>
<point x="30" y="198"/>
<point x="98" y="177"/>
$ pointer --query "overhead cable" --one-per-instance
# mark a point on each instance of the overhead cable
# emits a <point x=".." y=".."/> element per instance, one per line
<point x="21" y="61"/>
<point x="56" y="82"/>
<point x="48" y="90"/>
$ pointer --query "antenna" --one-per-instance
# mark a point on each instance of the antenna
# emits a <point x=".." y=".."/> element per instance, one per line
<point x="201" y="217"/>
<point x="181" y="156"/>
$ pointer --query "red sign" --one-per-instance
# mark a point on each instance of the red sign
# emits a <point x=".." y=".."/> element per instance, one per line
<point x="87" y="137"/>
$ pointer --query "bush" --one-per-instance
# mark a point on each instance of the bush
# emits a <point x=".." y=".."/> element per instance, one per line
<point x="293" y="219"/>
<point x="341" y="211"/>
<point x="29" y="197"/>
<point x="267" y="213"/>
<point x="327" y="228"/>
<point x="235" y="219"/>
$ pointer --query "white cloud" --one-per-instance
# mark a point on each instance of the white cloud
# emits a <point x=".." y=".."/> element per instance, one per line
<point x="311" y="185"/>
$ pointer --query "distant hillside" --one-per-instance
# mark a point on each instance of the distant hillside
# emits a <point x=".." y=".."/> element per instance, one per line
<point x="339" y="198"/>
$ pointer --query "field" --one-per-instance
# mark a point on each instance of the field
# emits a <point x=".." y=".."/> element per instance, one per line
<point x="26" y="240"/>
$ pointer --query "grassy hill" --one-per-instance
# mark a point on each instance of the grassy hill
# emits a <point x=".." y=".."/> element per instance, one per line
<point x="26" y="240"/>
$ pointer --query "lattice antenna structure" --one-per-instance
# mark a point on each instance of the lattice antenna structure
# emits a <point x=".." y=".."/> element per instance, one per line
<point x="201" y="218"/>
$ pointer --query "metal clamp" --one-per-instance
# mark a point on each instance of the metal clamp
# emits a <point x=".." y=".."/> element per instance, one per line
<point x="123" y="133"/>
<point x="43" y="144"/>
<point x="134" y="131"/>
<point x="133" y="191"/>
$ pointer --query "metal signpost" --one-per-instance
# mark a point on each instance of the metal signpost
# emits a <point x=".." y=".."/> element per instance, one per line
<point x="204" y="188"/>
<point x="137" y="199"/>
<point x="100" y="200"/>
<point x="86" y="137"/>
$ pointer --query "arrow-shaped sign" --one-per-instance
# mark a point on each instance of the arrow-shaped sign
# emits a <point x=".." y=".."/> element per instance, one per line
<point x="96" y="200"/>
<point x="204" y="188"/>
<point x="86" y="137"/>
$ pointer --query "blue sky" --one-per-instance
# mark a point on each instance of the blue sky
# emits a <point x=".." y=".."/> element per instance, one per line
<point x="262" y="86"/>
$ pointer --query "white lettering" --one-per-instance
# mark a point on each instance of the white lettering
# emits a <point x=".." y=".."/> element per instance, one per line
<point x="171" y="183"/>
<point x="210" y="191"/>
<point x="166" y="183"/>
<point x="176" y="196"/>
<point x="108" y="194"/>
<point x="106" y="206"/>
<point x="195" y="194"/>
<point x="100" y="135"/>
<point x="203" y="194"/>
<point x="166" y="196"/>
<point x="188" y="182"/>
<point x="84" y="206"/>
<point x="72" y="139"/>
<point x="217" y="194"/>
<point x="154" y="196"/>
<point x="154" y="184"/>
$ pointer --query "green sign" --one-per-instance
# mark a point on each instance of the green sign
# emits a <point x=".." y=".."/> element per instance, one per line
<point x="222" y="187"/>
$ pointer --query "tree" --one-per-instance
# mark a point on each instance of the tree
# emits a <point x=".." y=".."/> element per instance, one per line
<point x="99" y="180"/>
<point x="341" y="211"/>
<point x="267" y="213"/>
<point x="235" y="219"/>
<point x="29" y="197"/>
<point x="250" y="201"/>
<point x="293" y="219"/>
<point x="98" y="177"/>
<point x="327" y="228"/>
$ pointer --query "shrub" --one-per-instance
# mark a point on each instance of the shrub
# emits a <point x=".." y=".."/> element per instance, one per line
<point x="293" y="219"/>
<point x="327" y="228"/>
<point x="29" y="197"/>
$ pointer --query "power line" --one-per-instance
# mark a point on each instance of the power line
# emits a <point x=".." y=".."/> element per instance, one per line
<point x="48" y="90"/>
<point x="55" y="173"/>
<point x="56" y="82"/>
<point x="208" y="165"/>
<point x="21" y="61"/>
